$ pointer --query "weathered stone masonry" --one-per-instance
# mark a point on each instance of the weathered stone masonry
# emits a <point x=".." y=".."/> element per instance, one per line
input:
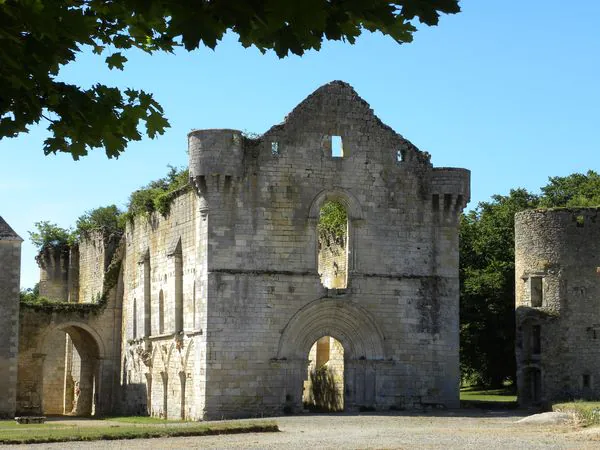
<point x="218" y="304"/>
<point x="10" y="277"/>
<point x="557" y="272"/>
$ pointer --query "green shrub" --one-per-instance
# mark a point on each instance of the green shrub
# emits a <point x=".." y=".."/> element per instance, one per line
<point x="158" y="195"/>
<point x="50" y="235"/>
<point x="105" y="219"/>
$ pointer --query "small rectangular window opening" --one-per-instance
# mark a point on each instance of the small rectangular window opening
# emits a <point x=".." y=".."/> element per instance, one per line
<point x="537" y="292"/>
<point x="536" y="339"/>
<point x="337" y="149"/>
<point x="275" y="148"/>
<point x="398" y="156"/>
<point x="586" y="381"/>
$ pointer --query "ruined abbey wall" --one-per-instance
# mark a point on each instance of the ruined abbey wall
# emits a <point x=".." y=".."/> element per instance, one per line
<point x="557" y="270"/>
<point x="212" y="308"/>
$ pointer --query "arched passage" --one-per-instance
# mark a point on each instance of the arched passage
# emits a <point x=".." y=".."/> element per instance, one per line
<point x="72" y="355"/>
<point x="356" y="331"/>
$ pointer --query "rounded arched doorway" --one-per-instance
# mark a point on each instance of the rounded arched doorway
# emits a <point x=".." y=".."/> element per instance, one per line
<point x="359" y="337"/>
<point x="70" y="371"/>
<point x="323" y="389"/>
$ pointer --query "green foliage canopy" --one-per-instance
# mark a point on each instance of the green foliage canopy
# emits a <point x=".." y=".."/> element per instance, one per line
<point x="158" y="194"/>
<point x="105" y="219"/>
<point x="487" y="273"/>
<point x="333" y="222"/>
<point x="38" y="37"/>
<point x="49" y="234"/>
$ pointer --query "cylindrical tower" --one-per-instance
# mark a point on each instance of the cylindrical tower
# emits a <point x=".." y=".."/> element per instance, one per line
<point x="215" y="153"/>
<point x="557" y="276"/>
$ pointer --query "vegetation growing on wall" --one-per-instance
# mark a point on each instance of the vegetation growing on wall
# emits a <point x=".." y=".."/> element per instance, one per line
<point x="50" y="235"/>
<point x="158" y="195"/>
<point x="333" y="222"/>
<point x="487" y="271"/>
<point x="105" y="219"/>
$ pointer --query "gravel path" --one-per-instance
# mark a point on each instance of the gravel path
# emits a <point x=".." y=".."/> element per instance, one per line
<point x="452" y="429"/>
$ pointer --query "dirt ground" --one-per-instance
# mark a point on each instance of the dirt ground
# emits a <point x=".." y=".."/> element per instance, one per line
<point x="434" y="430"/>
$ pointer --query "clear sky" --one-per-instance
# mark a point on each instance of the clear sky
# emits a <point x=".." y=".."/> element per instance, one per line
<point x="509" y="89"/>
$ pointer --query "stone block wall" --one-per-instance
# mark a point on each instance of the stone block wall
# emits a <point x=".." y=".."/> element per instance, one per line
<point x="10" y="279"/>
<point x="163" y="341"/>
<point x="262" y="259"/>
<point x="557" y="267"/>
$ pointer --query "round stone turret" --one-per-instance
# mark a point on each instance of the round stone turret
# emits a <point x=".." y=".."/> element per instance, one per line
<point x="215" y="152"/>
<point x="551" y="247"/>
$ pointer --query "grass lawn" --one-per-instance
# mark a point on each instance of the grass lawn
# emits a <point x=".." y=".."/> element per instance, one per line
<point x="122" y="428"/>
<point x="587" y="412"/>
<point x="476" y="397"/>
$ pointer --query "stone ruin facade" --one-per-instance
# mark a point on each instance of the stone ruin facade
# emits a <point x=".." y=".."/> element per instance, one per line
<point x="212" y="311"/>
<point x="557" y="272"/>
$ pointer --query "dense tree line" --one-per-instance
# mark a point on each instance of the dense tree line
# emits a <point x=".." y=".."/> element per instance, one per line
<point x="487" y="273"/>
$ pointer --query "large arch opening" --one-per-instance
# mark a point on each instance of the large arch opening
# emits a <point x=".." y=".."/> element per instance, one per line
<point x="323" y="388"/>
<point x="70" y="372"/>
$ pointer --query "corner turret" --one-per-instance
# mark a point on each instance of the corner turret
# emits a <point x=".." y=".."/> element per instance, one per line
<point x="213" y="154"/>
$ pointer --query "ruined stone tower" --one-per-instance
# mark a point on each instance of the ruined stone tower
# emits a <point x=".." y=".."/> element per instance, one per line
<point x="557" y="273"/>
<point x="10" y="279"/>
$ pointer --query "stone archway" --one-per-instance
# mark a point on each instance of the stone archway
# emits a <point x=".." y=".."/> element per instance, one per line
<point x="72" y="354"/>
<point x="355" y="329"/>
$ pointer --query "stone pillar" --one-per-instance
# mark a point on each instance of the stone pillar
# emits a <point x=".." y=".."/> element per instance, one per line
<point x="10" y="280"/>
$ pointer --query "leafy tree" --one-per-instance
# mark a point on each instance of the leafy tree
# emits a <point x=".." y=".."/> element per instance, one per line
<point x="571" y="191"/>
<point x="51" y="235"/>
<point x="38" y="37"/>
<point x="487" y="279"/>
<point x="106" y="219"/>
<point x="487" y="284"/>
<point x="30" y="294"/>
<point x="333" y="222"/>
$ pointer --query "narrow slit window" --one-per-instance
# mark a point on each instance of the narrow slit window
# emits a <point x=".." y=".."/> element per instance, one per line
<point x="536" y="339"/>
<point x="275" y="148"/>
<point x="537" y="291"/>
<point x="337" y="148"/>
<point x="161" y="312"/>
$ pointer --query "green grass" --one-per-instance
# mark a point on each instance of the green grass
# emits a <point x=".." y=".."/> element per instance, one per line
<point x="474" y="393"/>
<point x="476" y="397"/>
<point x="587" y="412"/>
<point x="143" y="420"/>
<point x="55" y="431"/>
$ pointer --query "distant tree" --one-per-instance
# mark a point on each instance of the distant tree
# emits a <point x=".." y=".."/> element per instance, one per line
<point x="487" y="278"/>
<point x="574" y="190"/>
<point x="487" y="287"/>
<point x="38" y="37"/>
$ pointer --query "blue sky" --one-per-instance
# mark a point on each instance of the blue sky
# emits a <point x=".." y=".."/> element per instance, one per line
<point x="509" y="89"/>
